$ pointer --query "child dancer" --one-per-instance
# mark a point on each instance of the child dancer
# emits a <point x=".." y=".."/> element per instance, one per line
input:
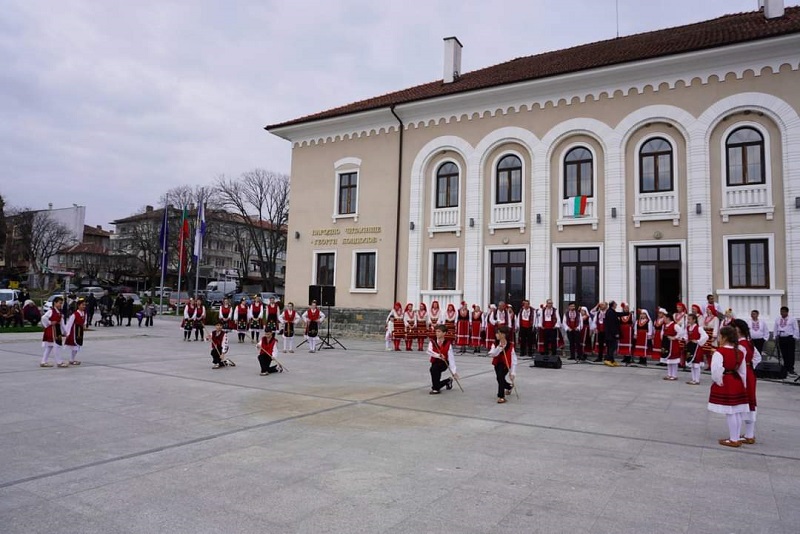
<point x="255" y="316"/>
<point x="240" y="318"/>
<point x="441" y="355"/>
<point x="423" y="326"/>
<point x="395" y="327"/>
<point x="74" y="330"/>
<point x="267" y="350"/>
<point x="410" y="324"/>
<point x="288" y="319"/>
<point x="728" y="393"/>
<point x="504" y="359"/>
<point x="672" y="335"/>
<point x="313" y="317"/>
<point x="199" y="319"/>
<point x="219" y="348"/>
<point x="752" y="358"/>
<point x="643" y="336"/>
<point x="188" y="320"/>
<point x="695" y="338"/>
<point x="52" y="321"/>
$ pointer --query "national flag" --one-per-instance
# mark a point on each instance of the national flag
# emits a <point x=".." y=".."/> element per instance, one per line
<point x="199" y="233"/>
<point x="579" y="206"/>
<point x="182" y="238"/>
<point x="163" y="239"/>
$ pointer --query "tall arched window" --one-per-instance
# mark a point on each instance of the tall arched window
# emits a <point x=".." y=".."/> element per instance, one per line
<point x="655" y="164"/>
<point x="578" y="173"/>
<point x="509" y="180"/>
<point x="745" y="162"/>
<point x="447" y="186"/>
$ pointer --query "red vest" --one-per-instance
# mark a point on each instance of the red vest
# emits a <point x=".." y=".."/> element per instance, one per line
<point x="289" y="316"/>
<point x="225" y="312"/>
<point x="443" y="349"/>
<point x="241" y="310"/>
<point x="313" y="315"/>
<point x="216" y="339"/>
<point x="572" y="319"/>
<point x="268" y="347"/>
<point x="693" y="333"/>
<point x="256" y="310"/>
<point x="526" y="317"/>
<point x="504" y="356"/>
<point x="549" y="317"/>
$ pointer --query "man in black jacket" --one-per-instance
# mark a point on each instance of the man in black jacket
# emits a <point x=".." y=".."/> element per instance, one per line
<point x="612" y="334"/>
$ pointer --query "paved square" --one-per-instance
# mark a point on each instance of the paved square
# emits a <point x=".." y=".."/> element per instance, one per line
<point x="145" y="437"/>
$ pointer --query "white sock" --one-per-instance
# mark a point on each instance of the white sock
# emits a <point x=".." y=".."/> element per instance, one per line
<point x="734" y="424"/>
<point x="749" y="420"/>
<point x="74" y="353"/>
<point x="672" y="370"/>
<point x="46" y="355"/>
<point x="312" y="344"/>
<point x="696" y="372"/>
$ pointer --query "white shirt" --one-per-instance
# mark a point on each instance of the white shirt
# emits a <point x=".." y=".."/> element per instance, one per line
<point x="786" y="327"/>
<point x="451" y="357"/>
<point x="497" y="349"/>
<point x="758" y="329"/>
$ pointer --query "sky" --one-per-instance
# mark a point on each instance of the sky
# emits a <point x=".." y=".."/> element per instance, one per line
<point x="110" y="103"/>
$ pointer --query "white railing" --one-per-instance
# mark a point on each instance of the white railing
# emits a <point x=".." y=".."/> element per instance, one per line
<point x="742" y="301"/>
<point x="746" y="196"/>
<point x="651" y="203"/>
<point x="444" y="297"/>
<point x="507" y="213"/>
<point x="568" y="209"/>
<point x="445" y="217"/>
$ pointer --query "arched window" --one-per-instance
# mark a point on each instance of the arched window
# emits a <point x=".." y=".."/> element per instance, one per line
<point x="655" y="164"/>
<point x="447" y="186"/>
<point x="509" y="180"/>
<point x="578" y="173"/>
<point x="745" y="161"/>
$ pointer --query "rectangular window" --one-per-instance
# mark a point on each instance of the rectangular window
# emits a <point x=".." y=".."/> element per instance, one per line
<point x="748" y="266"/>
<point x="348" y="184"/>
<point x="444" y="270"/>
<point x="325" y="268"/>
<point x="365" y="270"/>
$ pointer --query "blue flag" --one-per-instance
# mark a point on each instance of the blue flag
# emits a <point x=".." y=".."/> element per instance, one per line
<point x="163" y="239"/>
<point x="199" y="233"/>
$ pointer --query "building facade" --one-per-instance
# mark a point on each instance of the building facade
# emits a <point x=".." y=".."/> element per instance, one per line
<point x="650" y="169"/>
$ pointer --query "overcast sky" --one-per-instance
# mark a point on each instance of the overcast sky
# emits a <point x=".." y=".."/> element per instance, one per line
<point x="109" y="103"/>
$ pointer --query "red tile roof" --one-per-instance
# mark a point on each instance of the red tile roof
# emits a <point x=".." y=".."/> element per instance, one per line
<point x="723" y="31"/>
<point x="91" y="230"/>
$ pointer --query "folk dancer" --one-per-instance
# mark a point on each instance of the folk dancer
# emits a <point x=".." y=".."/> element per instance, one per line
<point x="710" y="307"/>
<point x="728" y="393"/>
<point x="226" y="316"/>
<point x="711" y="326"/>
<point x="526" y="318"/>
<point x="313" y="316"/>
<point x="572" y="324"/>
<point x="189" y="313"/>
<point x="727" y="318"/>
<point x="423" y="325"/>
<point x="440" y="351"/>
<point x="759" y="331"/>
<point x="598" y="314"/>
<point x="410" y="324"/>
<point x="550" y="324"/>
<point x="462" y="327"/>
<point x="696" y="339"/>
<point x="585" y="338"/>
<point x="449" y="320"/>
<point x="76" y="324"/>
<point x="475" y="328"/>
<point x="537" y="329"/>
<point x="490" y="320"/>
<point x="786" y="332"/>
<point x="435" y="318"/>
<point x="199" y="319"/>
<point x="267" y="350"/>
<point x="271" y="313"/>
<point x="219" y="348"/>
<point x="288" y="320"/>
<point x="752" y="357"/>
<point x="659" y="348"/>
<point x="512" y="323"/>
<point x="52" y="322"/>
<point x="395" y="326"/>
<point x="643" y="337"/>
<point x="680" y="317"/>
<point x="240" y="314"/>
<point x="255" y="317"/>
<point x="672" y="343"/>
<point x="626" y="321"/>
<point x="504" y="360"/>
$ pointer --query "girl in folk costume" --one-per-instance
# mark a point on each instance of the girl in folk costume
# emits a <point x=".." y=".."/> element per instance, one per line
<point x="199" y="319"/>
<point x="657" y="349"/>
<point x="226" y="316"/>
<point x="475" y="327"/>
<point x="489" y="321"/>
<point x="712" y="326"/>
<point x="52" y="322"/>
<point x="512" y="323"/>
<point x="313" y="317"/>
<point x="695" y="338"/>
<point x="643" y="338"/>
<point x="435" y="318"/>
<point x="504" y="359"/>
<point x="219" y="348"/>
<point x="598" y="314"/>
<point x="288" y="320"/>
<point x="410" y="324"/>
<point x="395" y="326"/>
<point x="585" y="338"/>
<point x="626" y="321"/>
<point x="462" y="327"/>
<point x="728" y="393"/>
<point x="189" y="313"/>
<point x="267" y="350"/>
<point x="74" y="328"/>
<point x="450" y="317"/>
<point x="728" y="318"/>
<point x="240" y="313"/>
<point x="680" y="317"/>
<point x="752" y="357"/>
<point x="440" y="350"/>
<point x="423" y="325"/>
<point x="672" y="356"/>
<point x="255" y="317"/>
<point x="271" y="313"/>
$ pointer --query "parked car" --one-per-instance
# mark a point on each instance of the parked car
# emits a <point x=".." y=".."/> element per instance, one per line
<point x="10" y="296"/>
<point x="97" y="291"/>
<point x="266" y="295"/>
<point x="121" y="289"/>
<point x="47" y="304"/>
<point x="156" y="292"/>
<point x="136" y="300"/>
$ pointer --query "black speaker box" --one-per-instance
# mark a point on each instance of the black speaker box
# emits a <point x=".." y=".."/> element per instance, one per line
<point x="770" y="369"/>
<point x="547" y="361"/>
<point x="324" y="295"/>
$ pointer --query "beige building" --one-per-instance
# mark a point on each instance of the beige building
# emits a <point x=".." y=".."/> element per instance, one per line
<point x="646" y="169"/>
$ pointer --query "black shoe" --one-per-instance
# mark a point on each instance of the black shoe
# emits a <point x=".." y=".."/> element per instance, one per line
<point x="449" y="384"/>
<point x="571" y="358"/>
<point x="598" y="360"/>
<point x="433" y="392"/>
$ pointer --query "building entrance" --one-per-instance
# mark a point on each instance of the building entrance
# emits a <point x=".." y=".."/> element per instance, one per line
<point x="658" y="277"/>
<point x="508" y="277"/>
<point x="579" y="277"/>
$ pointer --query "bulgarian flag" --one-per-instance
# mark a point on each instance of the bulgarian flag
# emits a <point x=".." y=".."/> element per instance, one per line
<point x="183" y="237"/>
<point x="579" y="206"/>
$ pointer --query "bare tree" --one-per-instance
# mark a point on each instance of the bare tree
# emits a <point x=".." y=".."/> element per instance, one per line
<point x="2" y="228"/>
<point x="143" y="244"/>
<point x="41" y="238"/>
<point x="261" y="198"/>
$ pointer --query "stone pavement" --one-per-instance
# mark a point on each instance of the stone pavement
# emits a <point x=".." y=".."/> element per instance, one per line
<point x="145" y="437"/>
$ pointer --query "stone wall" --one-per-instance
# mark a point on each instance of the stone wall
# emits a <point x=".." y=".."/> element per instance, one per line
<point x="356" y="322"/>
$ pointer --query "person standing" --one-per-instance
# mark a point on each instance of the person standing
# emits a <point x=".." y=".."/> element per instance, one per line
<point x="129" y="309"/>
<point x="149" y="311"/>
<point x="240" y="317"/>
<point x="395" y="327"/>
<point x="504" y="360"/>
<point x="313" y="317"/>
<point x="643" y="337"/>
<point x="586" y="334"/>
<point x="271" y="315"/>
<point x="671" y="350"/>
<point x="711" y="326"/>
<point x="410" y="325"/>
<point x="573" y="325"/>
<point x="91" y="306"/>
<point x="74" y="331"/>
<point x="226" y="315"/>
<point x="550" y="323"/>
<point x="786" y="333"/>
<point x="450" y="318"/>
<point x="526" y="319"/>
<point x="658" y="345"/>
<point x="475" y="327"/>
<point x="267" y="351"/>
<point x="696" y="339"/>
<point x="255" y="317"/>
<point x="752" y="357"/>
<point x="188" y="320"/>
<point x="626" y="325"/>
<point x="219" y="347"/>
<point x="612" y="333"/>
<point x="423" y="325"/>
<point x="52" y="322"/>
<point x="759" y="330"/>
<point x="728" y="395"/>
<point x="288" y="320"/>
<point x="489" y="321"/>
<point x="462" y="327"/>
<point x="199" y="319"/>
<point x="598" y="314"/>
<point x="442" y="357"/>
<point x="119" y="308"/>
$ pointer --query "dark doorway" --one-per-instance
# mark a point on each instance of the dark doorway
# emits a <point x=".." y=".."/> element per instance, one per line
<point x="508" y="277"/>
<point x="658" y="277"/>
<point x="579" y="277"/>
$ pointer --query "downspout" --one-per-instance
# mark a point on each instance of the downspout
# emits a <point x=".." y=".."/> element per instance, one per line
<point x="399" y="191"/>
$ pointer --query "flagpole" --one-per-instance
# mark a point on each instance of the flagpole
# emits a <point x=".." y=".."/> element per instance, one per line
<point x="164" y="260"/>
<point x="198" y="243"/>
<point x="181" y="244"/>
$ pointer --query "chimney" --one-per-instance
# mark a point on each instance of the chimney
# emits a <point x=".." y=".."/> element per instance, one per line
<point x="148" y="209"/>
<point x="773" y="9"/>
<point x="49" y="205"/>
<point x="452" y="59"/>
<point x="99" y="226"/>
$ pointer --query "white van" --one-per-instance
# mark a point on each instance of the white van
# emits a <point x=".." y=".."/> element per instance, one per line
<point x="221" y="287"/>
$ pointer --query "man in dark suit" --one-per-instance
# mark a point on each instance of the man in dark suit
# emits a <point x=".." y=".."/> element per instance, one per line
<point x="612" y="334"/>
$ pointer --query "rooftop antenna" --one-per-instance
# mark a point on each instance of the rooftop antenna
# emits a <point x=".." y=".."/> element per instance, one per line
<point x="617" y="9"/>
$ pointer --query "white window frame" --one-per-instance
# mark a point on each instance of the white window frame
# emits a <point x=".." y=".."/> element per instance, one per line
<point x="767" y="300"/>
<point x="316" y="254"/>
<point x="354" y="274"/>
<point x="431" y="253"/>
<point x="347" y="165"/>
<point x="432" y="228"/>
<point x="562" y="221"/>
<point x="769" y="209"/>
<point x="675" y="214"/>
<point x="726" y="239"/>
<point x="521" y="223"/>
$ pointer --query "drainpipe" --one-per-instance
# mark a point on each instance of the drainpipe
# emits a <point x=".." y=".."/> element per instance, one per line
<point x="399" y="191"/>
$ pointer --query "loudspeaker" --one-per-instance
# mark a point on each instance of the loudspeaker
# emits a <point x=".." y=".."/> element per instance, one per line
<point x="770" y="369"/>
<point x="547" y="360"/>
<point x="324" y="295"/>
